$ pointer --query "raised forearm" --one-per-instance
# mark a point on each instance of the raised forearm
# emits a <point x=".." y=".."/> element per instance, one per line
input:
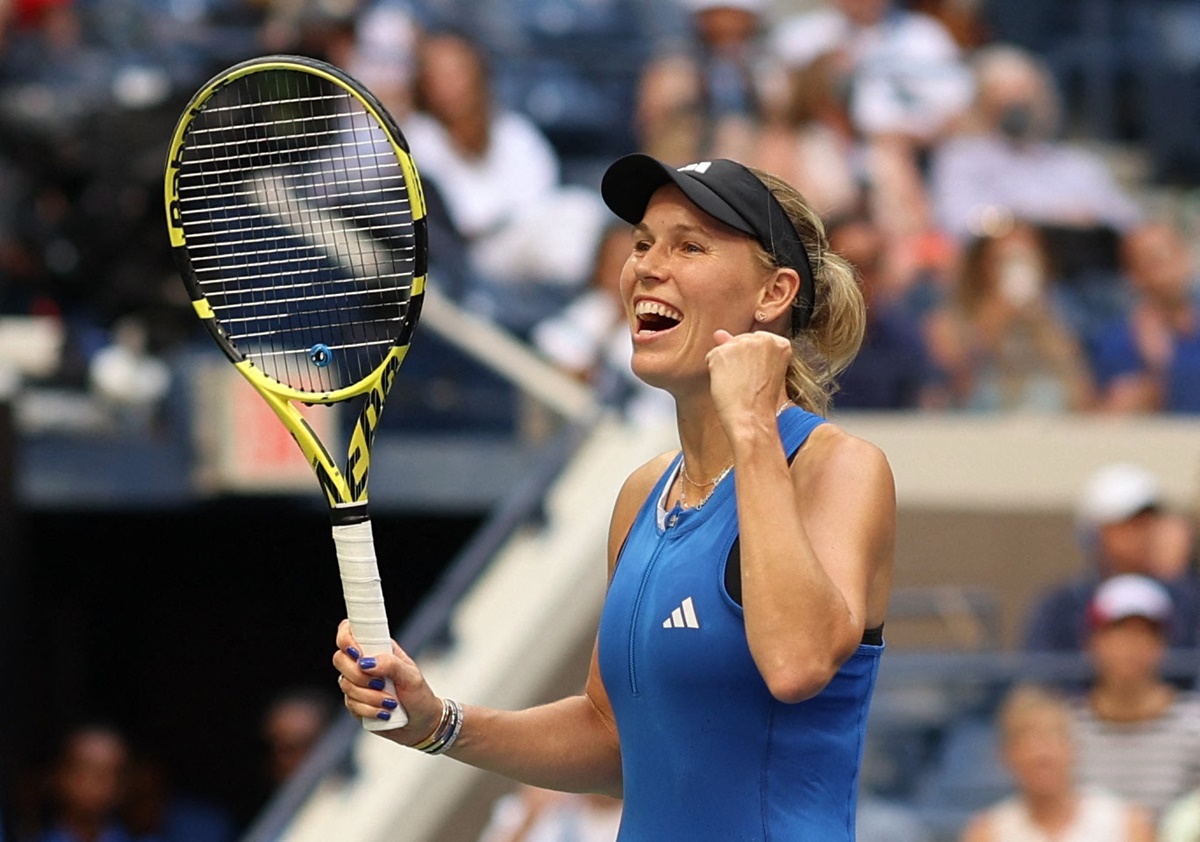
<point x="798" y="624"/>
<point x="817" y="542"/>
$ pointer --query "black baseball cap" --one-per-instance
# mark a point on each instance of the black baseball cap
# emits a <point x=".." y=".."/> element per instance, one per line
<point x="725" y="190"/>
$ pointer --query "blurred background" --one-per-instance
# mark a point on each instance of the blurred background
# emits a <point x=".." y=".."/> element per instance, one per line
<point x="1015" y="180"/>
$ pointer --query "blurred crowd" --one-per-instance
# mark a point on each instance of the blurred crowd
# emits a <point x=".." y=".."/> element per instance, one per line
<point x="98" y="783"/>
<point x="1011" y="240"/>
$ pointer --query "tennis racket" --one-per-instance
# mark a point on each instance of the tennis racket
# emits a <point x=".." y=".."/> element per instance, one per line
<point x="297" y="222"/>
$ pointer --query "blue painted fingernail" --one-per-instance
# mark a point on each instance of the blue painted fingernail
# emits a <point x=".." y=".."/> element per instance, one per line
<point x="383" y="714"/>
<point x="353" y="653"/>
<point x="376" y="684"/>
<point x="366" y="663"/>
<point x="390" y="704"/>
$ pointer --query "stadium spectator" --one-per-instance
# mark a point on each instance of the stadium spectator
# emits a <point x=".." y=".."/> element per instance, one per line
<point x="127" y="378"/>
<point x="1149" y="360"/>
<point x="1039" y="750"/>
<point x="533" y="814"/>
<point x="1123" y="527"/>
<point x="668" y="120"/>
<point x="893" y="369"/>
<point x="384" y="53"/>
<point x="902" y="70"/>
<point x="809" y="138"/>
<point x="87" y="787"/>
<point x="156" y="812"/>
<point x="321" y="29"/>
<point x="1002" y="338"/>
<point x="1007" y="161"/>
<point x="589" y="338"/>
<point x="1139" y="736"/>
<point x="292" y="724"/>
<point x="808" y="135"/>
<point x="731" y="62"/>
<point x="867" y="91"/>
<point x="530" y="237"/>
<point x="581" y="337"/>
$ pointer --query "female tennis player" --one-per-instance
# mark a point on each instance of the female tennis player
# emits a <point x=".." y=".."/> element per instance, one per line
<point x="749" y="572"/>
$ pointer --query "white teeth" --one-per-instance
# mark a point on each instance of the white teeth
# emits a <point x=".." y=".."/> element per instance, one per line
<point x="657" y="308"/>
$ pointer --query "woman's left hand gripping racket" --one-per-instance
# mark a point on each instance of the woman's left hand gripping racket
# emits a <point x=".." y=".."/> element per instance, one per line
<point x="298" y="224"/>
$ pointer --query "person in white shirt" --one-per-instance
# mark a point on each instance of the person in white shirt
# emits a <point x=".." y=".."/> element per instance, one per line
<point x="1008" y="162"/>
<point x="1038" y="748"/>
<point x="589" y="337"/>
<point x="533" y="814"/>
<point x="530" y="237"/>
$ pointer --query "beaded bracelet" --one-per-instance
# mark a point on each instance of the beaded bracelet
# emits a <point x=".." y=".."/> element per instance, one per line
<point x="447" y="731"/>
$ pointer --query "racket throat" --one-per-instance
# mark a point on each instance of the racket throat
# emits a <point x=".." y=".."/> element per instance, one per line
<point x="347" y="514"/>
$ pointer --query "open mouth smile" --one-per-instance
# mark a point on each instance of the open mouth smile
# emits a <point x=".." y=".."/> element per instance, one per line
<point x="655" y="317"/>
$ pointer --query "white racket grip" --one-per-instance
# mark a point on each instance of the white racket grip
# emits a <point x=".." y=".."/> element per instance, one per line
<point x="363" y="592"/>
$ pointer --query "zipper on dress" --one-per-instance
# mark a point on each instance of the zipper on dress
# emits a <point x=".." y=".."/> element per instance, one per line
<point x="636" y="613"/>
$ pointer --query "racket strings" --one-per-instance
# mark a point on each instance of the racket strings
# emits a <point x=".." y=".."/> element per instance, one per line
<point x="299" y="227"/>
<point x="365" y="163"/>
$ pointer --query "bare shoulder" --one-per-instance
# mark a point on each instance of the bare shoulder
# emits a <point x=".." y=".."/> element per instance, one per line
<point x="639" y="483"/>
<point x="633" y="494"/>
<point x="831" y="454"/>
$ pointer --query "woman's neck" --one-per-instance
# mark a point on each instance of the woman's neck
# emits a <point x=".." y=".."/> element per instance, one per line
<point x="706" y="447"/>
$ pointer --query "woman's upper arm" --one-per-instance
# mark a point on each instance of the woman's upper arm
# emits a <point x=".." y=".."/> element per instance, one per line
<point x="848" y="504"/>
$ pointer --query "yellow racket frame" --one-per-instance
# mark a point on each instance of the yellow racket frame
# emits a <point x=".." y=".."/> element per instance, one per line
<point x="341" y="488"/>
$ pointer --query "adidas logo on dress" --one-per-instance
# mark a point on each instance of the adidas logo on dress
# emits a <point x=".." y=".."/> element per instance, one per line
<point x="683" y="617"/>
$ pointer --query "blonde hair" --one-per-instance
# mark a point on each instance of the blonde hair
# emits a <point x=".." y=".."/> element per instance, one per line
<point x="823" y="349"/>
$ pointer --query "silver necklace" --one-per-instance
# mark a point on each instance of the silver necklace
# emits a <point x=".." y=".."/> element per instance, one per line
<point x="711" y="484"/>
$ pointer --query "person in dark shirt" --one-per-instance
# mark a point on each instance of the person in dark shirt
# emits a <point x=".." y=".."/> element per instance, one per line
<point x="893" y="369"/>
<point x="1123" y="528"/>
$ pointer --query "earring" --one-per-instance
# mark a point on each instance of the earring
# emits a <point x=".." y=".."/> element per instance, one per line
<point x="760" y="316"/>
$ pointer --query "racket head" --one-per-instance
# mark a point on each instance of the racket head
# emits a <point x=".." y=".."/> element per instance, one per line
<point x="297" y="223"/>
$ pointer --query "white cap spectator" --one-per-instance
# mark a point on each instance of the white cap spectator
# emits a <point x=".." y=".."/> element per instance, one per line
<point x="1116" y="493"/>
<point x="1130" y="595"/>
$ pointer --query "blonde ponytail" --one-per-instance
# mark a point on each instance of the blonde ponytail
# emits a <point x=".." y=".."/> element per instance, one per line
<point x="823" y="350"/>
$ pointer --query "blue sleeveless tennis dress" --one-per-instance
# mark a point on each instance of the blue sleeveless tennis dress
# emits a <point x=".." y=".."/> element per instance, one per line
<point x="707" y="753"/>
